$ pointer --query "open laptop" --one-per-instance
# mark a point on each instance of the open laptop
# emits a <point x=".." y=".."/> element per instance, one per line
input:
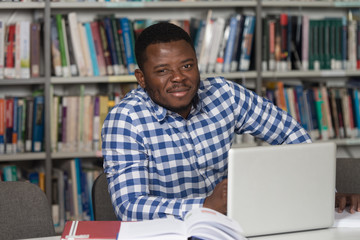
<point x="284" y="188"/>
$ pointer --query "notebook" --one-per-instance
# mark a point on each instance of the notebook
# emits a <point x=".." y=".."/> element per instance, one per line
<point x="284" y="188"/>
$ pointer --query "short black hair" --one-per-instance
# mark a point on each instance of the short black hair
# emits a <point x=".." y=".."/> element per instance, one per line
<point x="162" y="32"/>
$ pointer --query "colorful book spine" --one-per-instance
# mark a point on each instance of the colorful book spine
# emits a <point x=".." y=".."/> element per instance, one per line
<point x="230" y="44"/>
<point x="90" y="40"/>
<point x="64" y="64"/>
<point x="2" y="125"/>
<point x="98" y="47"/>
<point x="111" y="45"/>
<point x="9" y="123"/>
<point x="38" y="124"/>
<point x="2" y="46"/>
<point x="128" y="43"/>
<point x="10" y="50"/>
<point x="25" y="49"/>
<point x="247" y="43"/>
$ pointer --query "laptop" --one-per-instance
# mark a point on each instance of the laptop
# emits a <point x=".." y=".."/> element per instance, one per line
<point x="283" y="188"/>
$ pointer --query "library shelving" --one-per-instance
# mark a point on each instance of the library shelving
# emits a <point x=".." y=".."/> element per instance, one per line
<point x="87" y="11"/>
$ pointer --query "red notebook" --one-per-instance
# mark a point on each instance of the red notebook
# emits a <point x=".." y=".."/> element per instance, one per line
<point x="90" y="230"/>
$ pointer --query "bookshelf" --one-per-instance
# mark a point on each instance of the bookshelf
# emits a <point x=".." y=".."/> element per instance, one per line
<point x="86" y="11"/>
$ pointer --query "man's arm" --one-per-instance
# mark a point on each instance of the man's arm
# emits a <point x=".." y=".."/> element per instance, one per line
<point x="127" y="169"/>
<point x="262" y="119"/>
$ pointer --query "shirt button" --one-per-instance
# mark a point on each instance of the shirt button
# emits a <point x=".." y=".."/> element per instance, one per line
<point x="198" y="151"/>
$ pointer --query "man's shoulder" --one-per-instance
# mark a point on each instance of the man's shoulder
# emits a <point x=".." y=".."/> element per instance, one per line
<point x="132" y="102"/>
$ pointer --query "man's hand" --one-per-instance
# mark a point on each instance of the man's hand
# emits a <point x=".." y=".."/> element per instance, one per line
<point x="218" y="199"/>
<point x="343" y="200"/>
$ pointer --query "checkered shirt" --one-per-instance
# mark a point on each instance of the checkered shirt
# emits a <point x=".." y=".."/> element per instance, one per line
<point x="159" y="164"/>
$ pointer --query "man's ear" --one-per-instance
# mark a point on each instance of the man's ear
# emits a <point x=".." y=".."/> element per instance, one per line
<point x="140" y="78"/>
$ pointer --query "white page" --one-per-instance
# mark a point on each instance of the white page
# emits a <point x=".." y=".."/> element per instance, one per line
<point x="346" y="219"/>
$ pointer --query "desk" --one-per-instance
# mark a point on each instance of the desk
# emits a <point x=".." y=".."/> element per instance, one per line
<point x="323" y="234"/>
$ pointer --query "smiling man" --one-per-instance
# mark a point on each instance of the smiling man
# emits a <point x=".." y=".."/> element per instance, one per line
<point x="165" y="145"/>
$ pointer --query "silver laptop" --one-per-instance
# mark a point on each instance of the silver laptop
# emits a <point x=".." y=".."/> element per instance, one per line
<point x="284" y="188"/>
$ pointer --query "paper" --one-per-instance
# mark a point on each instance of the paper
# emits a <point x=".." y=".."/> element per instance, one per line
<point x="346" y="219"/>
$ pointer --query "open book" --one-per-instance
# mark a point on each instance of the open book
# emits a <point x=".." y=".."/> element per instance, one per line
<point x="201" y="223"/>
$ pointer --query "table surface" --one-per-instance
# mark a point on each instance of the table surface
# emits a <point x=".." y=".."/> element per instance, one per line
<point x="322" y="234"/>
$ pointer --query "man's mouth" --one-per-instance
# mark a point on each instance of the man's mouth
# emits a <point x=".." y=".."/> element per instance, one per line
<point x="179" y="91"/>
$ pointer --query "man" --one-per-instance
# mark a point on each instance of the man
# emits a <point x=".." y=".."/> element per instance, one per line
<point x="165" y="145"/>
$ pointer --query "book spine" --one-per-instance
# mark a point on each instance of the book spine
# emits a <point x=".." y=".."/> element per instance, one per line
<point x="2" y="48"/>
<point x="85" y="50"/>
<point x="75" y="39"/>
<point x="25" y="49"/>
<point x="284" y="41"/>
<point x="230" y="44"/>
<point x="117" y="45"/>
<point x="59" y="26"/>
<point x="10" y="49"/>
<point x="35" y="49"/>
<point x="96" y="122"/>
<point x="2" y="125"/>
<point x="9" y="123"/>
<point x="247" y="43"/>
<point x="105" y="49"/>
<point x="98" y="48"/>
<point x="55" y="49"/>
<point x="38" y="124"/>
<point x="130" y="57"/>
<point x="15" y="125"/>
<point x="111" y="45"/>
<point x="344" y="43"/>
<point x="29" y="124"/>
<point x="305" y="43"/>
<point x="17" y="50"/>
<point x="92" y="49"/>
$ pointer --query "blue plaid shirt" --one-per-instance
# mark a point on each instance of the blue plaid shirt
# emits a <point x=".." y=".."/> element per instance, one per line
<point x="159" y="164"/>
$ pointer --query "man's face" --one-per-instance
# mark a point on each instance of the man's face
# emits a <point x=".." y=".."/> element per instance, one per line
<point x="170" y="75"/>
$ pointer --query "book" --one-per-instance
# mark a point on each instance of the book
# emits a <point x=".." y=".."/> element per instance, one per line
<point x="76" y="43"/>
<point x="305" y="43"/>
<point x="128" y="44"/>
<point x="61" y="37"/>
<point x="85" y="50"/>
<point x="218" y="28"/>
<point x="24" y="49"/>
<point x="90" y="230"/>
<point x="234" y="21"/>
<point x="98" y="48"/>
<point x="2" y="45"/>
<point x="247" y="43"/>
<point x="70" y="49"/>
<point x="2" y="125"/>
<point x="55" y="49"/>
<point x="29" y="123"/>
<point x="92" y="50"/>
<point x="9" y="71"/>
<point x="117" y="44"/>
<point x="199" y="223"/>
<point x="35" y="49"/>
<point x="106" y="48"/>
<point x="38" y="124"/>
<point x="9" y="123"/>
<point x="111" y="45"/>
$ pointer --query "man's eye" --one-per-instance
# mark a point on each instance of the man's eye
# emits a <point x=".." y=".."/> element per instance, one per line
<point x="187" y="66"/>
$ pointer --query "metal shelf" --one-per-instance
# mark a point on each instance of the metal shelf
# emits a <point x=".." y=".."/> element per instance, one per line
<point x="24" y="81"/>
<point x="22" y="157"/>
<point x="22" y="5"/>
<point x="155" y="4"/>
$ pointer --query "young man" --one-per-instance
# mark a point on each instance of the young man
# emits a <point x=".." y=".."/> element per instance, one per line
<point x="165" y="145"/>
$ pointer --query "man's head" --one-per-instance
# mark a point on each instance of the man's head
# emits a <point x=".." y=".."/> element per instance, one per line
<point x="168" y="67"/>
<point x="162" y="32"/>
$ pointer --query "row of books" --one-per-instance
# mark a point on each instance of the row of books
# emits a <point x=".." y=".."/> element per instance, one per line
<point x="298" y="42"/>
<point x="223" y="45"/>
<point x="22" y="124"/>
<point x="35" y="175"/>
<point x="76" y="121"/>
<point x="72" y="183"/>
<point x="102" y="47"/>
<point x="20" y="49"/>
<point x="325" y="112"/>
